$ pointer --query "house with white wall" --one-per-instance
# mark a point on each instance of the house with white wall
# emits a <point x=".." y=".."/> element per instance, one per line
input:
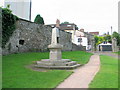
<point x="78" y="37"/>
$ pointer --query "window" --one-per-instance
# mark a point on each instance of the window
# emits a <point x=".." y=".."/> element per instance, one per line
<point x="79" y="39"/>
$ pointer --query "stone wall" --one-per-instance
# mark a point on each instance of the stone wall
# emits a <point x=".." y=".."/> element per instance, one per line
<point x="32" y="37"/>
<point x="66" y="40"/>
<point x="29" y="36"/>
<point x="78" y="48"/>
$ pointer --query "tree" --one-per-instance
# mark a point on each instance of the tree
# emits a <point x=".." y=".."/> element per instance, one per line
<point x="39" y="19"/>
<point x="65" y="22"/>
<point x="117" y="36"/>
<point x="96" y="38"/>
<point x="107" y="38"/>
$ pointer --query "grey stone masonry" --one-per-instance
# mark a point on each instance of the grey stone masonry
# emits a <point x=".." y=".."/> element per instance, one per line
<point x="30" y="36"/>
<point x="114" y="45"/>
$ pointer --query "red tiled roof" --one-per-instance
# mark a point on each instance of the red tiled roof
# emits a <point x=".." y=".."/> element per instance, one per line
<point x="94" y="33"/>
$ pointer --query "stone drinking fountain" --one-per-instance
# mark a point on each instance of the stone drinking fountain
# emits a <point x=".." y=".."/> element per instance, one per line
<point x="55" y="61"/>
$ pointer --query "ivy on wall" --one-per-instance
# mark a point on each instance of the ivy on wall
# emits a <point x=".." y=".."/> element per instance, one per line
<point x="8" y="25"/>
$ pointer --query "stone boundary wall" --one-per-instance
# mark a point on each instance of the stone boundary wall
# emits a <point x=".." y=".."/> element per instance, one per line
<point x="78" y="48"/>
<point x="32" y="37"/>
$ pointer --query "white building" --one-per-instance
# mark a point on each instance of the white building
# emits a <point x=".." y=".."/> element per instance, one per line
<point x="21" y="8"/>
<point x="79" y="38"/>
<point x="104" y="47"/>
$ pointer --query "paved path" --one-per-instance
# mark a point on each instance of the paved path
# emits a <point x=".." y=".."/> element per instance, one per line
<point x="82" y="76"/>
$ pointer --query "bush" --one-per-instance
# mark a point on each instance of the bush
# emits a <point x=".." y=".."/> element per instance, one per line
<point x="8" y="25"/>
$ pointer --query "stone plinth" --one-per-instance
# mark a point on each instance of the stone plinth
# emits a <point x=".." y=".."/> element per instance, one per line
<point x="58" y="67"/>
<point x="62" y="62"/>
<point x="55" y="51"/>
<point x="55" y="61"/>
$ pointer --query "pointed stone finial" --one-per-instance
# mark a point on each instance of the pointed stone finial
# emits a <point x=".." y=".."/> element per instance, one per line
<point x="57" y="23"/>
<point x="114" y="39"/>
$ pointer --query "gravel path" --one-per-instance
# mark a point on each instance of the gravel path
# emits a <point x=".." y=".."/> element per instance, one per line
<point x="82" y="76"/>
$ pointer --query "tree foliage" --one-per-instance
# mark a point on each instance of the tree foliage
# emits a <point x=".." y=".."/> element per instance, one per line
<point x="8" y="25"/>
<point x="101" y="39"/>
<point x="108" y="38"/>
<point x="65" y="22"/>
<point x="39" y="19"/>
<point x="98" y="39"/>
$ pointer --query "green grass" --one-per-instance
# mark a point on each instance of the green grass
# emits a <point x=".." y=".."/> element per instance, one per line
<point x="15" y="75"/>
<point x="80" y="56"/>
<point x="107" y="77"/>
<point x="118" y="53"/>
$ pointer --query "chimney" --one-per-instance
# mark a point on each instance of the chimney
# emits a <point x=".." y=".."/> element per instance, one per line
<point x="82" y="30"/>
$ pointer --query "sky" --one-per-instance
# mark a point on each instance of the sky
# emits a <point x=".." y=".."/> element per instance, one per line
<point x="91" y="15"/>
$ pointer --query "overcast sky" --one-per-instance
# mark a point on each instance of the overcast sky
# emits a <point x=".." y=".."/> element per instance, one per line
<point x="92" y="15"/>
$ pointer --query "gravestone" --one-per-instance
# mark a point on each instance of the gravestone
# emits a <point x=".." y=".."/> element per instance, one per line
<point x="55" y="61"/>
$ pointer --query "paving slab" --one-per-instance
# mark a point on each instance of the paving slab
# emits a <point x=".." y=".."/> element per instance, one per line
<point x="83" y="75"/>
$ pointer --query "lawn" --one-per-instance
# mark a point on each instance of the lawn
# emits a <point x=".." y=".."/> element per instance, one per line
<point x="107" y="77"/>
<point x="16" y="75"/>
<point x="80" y="56"/>
<point x="118" y="53"/>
